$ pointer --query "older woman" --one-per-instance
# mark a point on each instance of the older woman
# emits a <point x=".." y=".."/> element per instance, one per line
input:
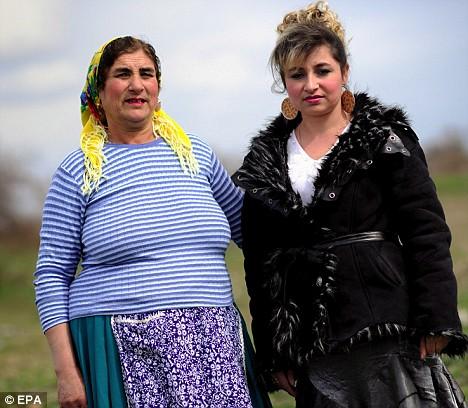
<point x="346" y="248"/>
<point x="148" y="213"/>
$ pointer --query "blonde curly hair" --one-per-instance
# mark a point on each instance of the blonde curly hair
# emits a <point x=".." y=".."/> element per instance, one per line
<point x="316" y="13"/>
<point x="301" y="32"/>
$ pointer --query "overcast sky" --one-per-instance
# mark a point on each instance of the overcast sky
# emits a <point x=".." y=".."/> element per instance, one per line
<point x="214" y="54"/>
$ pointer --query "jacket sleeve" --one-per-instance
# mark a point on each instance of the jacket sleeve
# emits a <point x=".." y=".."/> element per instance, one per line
<point x="420" y="223"/>
<point x="259" y="239"/>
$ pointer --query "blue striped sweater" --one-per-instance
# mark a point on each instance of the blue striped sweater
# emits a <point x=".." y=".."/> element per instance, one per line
<point x="150" y="238"/>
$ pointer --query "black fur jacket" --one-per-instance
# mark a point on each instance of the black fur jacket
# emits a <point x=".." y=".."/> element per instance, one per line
<point x="310" y="298"/>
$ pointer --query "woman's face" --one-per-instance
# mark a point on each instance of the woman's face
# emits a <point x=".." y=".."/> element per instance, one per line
<point x="130" y="92"/>
<point x="314" y="85"/>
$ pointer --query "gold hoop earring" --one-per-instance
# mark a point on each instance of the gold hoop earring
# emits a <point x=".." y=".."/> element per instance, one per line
<point x="288" y="110"/>
<point x="347" y="100"/>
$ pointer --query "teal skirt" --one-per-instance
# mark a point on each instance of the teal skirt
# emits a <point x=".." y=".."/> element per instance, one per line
<point x="98" y="357"/>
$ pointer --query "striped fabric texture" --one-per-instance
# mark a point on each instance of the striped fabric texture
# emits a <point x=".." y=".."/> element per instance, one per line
<point x="151" y="238"/>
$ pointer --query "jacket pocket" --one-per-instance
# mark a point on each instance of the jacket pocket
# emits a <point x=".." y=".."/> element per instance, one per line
<point x="388" y="271"/>
<point x="386" y="264"/>
<point x="390" y="257"/>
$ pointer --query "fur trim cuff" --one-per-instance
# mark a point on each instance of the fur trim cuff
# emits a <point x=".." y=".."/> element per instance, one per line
<point x="458" y="344"/>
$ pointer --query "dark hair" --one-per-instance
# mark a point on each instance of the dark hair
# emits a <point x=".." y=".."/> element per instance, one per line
<point x="296" y="42"/>
<point x="124" y="45"/>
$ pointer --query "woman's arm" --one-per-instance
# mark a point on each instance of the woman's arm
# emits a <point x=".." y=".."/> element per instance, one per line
<point x="420" y="222"/>
<point x="259" y="239"/>
<point x="59" y="255"/>
<point x="60" y="248"/>
<point x="228" y="196"/>
<point x="71" y="390"/>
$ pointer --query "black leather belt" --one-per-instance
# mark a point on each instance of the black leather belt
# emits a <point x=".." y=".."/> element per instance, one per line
<point x="354" y="238"/>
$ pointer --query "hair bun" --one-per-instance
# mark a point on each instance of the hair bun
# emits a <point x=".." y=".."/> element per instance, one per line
<point x="316" y="13"/>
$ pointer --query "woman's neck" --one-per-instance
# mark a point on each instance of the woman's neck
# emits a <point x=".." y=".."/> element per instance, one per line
<point x="320" y="127"/>
<point x="129" y="134"/>
<point x="317" y="135"/>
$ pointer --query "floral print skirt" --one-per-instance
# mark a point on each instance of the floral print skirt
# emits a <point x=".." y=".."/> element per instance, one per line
<point x="183" y="358"/>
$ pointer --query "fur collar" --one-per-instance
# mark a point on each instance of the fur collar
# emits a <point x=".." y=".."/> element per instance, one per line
<point x="264" y="172"/>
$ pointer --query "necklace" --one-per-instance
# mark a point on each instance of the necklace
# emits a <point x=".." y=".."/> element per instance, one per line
<point x="319" y="146"/>
<point x="340" y="130"/>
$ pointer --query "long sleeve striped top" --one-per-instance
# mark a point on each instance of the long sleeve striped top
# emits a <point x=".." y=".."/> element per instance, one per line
<point x="151" y="238"/>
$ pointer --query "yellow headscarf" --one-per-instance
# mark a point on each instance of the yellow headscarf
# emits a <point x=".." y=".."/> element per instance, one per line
<point x="94" y="135"/>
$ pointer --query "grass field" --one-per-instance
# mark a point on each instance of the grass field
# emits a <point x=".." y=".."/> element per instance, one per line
<point x="24" y="356"/>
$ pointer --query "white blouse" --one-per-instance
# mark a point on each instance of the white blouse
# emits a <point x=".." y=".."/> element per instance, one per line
<point x="303" y="169"/>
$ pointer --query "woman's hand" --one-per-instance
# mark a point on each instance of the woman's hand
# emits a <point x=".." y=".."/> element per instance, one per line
<point x="432" y="345"/>
<point x="71" y="390"/>
<point x="286" y="381"/>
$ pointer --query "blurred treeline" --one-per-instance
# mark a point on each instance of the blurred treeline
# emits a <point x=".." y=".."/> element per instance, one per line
<point x="21" y="194"/>
<point x="449" y="155"/>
